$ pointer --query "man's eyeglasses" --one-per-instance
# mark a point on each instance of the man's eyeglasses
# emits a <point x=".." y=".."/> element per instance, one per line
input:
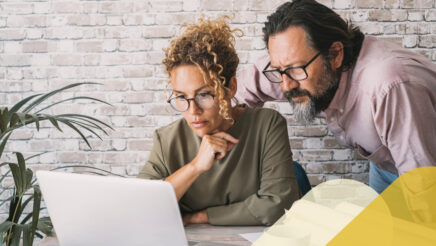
<point x="294" y="73"/>
<point x="202" y="100"/>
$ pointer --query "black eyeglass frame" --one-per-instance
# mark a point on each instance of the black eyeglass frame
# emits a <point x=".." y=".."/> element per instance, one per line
<point x="264" y="71"/>
<point x="188" y="100"/>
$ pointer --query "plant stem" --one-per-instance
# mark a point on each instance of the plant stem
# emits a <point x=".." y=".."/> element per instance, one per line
<point x="13" y="218"/>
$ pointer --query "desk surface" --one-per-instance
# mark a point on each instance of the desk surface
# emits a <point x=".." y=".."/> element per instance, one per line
<point x="202" y="233"/>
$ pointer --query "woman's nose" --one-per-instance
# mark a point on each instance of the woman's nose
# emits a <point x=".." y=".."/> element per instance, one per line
<point x="193" y="108"/>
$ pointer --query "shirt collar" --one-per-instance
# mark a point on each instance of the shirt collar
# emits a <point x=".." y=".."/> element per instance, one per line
<point x="338" y="101"/>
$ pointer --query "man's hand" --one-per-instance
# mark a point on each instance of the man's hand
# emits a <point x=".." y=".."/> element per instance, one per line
<point x="195" y="218"/>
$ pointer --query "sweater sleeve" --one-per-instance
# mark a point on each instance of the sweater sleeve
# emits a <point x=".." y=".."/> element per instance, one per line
<point x="278" y="187"/>
<point x="155" y="167"/>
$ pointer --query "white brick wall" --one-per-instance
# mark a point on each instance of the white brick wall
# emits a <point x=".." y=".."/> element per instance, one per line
<point x="47" y="44"/>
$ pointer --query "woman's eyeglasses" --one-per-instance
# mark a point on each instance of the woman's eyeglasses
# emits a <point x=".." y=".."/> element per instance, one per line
<point x="202" y="100"/>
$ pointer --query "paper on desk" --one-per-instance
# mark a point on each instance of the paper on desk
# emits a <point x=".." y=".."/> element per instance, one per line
<point x="252" y="237"/>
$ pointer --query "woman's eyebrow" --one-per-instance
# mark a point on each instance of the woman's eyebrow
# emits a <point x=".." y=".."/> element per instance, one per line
<point x="197" y="90"/>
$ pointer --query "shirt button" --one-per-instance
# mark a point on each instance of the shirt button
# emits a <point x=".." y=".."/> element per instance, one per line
<point x="341" y="110"/>
<point x="332" y="119"/>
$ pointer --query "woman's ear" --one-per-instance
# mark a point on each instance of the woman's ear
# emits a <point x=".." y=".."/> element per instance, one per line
<point x="233" y="85"/>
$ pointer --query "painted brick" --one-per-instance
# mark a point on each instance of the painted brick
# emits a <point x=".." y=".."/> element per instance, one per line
<point x="65" y="7"/>
<point x="418" y="4"/>
<point x="410" y="41"/>
<point x="130" y="45"/>
<point x="166" y="6"/>
<point x="67" y="60"/>
<point x="415" y="15"/>
<point x="12" y="34"/>
<point x="216" y="5"/>
<point x="115" y="7"/>
<point x="89" y="7"/>
<point x="159" y="32"/>
<point x="387" y="15"/>
<point x="141" y="6"/>
<point x="180" y="18"/>
<point x="141" y="145"/>
<point x="427" y="41"/>
<point x="138" y="19"/>
<point x="343" y="4"/>
<point x="64" y="33"/>
<point x="392" y="4"/>
<point x="46" y="45"/>
<point x="35" y="47"/>
<point x="15" y="60"/>
<point x="14" y="74"/>
<point x="17" y="8"/>
<point x="138" y="97"/>
<point x="369" y="4"/>
<point x="72" y="157"/>
<point x="26" y="21"/>
<point x="12" y="47"/>
<point x="89" y="46"/>
<point x="264" y="5"/>
<point x="316" y="155"/>
<point x="430" y="15"/>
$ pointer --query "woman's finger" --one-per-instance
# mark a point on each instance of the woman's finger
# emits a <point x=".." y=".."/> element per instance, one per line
<point x="226" y="136"/>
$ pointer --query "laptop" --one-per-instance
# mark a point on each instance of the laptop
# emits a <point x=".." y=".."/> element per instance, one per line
<point x="102" y="210"/>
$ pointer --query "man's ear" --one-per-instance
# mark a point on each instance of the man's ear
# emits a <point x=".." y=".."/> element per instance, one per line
<point x="337" y="50"/>
<point x="233" y="85"/>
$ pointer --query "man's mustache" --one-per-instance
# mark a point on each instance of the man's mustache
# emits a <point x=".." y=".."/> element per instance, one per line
<point x="296" y="92"/>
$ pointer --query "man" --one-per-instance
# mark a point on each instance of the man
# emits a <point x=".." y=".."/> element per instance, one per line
<point x="375" y="96"/>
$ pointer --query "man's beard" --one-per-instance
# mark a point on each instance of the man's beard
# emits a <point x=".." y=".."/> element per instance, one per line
<point x="327" y="86"/>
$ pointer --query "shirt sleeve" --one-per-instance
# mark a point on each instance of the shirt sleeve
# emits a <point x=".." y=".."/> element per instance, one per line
<point x="278" y="187"/>
<point x="155" y="167"/>
<point x="405" y="120"/>
<point x="253" y="88"/>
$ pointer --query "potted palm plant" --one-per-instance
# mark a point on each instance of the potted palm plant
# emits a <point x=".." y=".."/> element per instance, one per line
<point x="22" y="227"/>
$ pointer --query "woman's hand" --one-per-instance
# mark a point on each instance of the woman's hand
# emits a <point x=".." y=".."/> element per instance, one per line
<point x="195" y="218"/>
<point x="213" y="147"/>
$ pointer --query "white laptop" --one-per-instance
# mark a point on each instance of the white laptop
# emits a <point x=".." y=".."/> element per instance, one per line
<point x="99" y="210"/>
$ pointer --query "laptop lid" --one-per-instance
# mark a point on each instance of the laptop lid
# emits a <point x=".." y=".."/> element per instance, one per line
<point x="99" y="210"/>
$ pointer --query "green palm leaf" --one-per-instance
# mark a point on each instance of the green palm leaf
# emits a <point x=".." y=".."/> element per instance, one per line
<point x="85" y="126"/>
<point x="45" y="226"/>
<point x="48" y="95"/>
<point x="14" y="118"/>
<point x="3" y="143"/>
<point x="52" y="120"/>
<point x="35" y="155"/>
<point x="85" y="117"/>
<point x="21" y="103"/>
<point x="36" y="208"/>
<point x="5" y="226"/>
<point x="16" y="235"/>
<point x="71" y="99"/>
<point x="4" y="118"/>
<point x="27" y="235"/>
<point x="68" y="123"/>
<point x="88" y="167"/>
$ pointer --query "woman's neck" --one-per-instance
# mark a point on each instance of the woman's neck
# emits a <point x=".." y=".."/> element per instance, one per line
<point x="235" y="112"/>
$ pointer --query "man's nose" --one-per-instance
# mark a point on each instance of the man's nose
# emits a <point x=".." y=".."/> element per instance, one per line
<point x="288" y="84"/>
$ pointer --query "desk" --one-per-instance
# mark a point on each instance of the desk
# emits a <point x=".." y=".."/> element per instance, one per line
<point x="202" y="233"/>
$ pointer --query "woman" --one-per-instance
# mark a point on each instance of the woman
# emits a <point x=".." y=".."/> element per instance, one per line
<point x="228" y="165"/>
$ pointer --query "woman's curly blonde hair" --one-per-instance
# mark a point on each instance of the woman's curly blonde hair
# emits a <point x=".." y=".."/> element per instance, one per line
<point x="209" y="45"/>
